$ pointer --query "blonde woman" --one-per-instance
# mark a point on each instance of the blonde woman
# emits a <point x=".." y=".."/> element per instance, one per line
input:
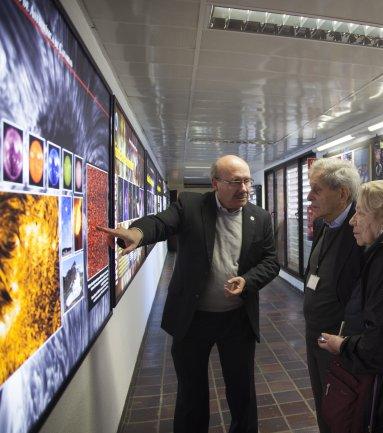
<point x="365" y="351"/>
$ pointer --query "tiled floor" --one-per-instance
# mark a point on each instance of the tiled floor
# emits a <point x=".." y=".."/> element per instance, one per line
<point x="284" y="396"/>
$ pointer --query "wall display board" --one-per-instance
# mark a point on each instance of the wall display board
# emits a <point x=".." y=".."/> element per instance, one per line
<point x="151" y="187"/>
<point x="54" y="159"/>
<point x="129" y="183"/>
<point x="160" y="193"/>
<point x="360" y="157"/>
<point x="165" y="197"/>
<point x="151" y="192"/>
<point x="377" y="158"/>
<point x="362" y="163"/>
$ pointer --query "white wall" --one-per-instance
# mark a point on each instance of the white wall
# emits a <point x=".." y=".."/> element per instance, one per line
<point x="93" y="401"/>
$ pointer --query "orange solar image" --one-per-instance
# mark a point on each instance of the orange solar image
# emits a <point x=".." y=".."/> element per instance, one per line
<point x="29" y="276"/>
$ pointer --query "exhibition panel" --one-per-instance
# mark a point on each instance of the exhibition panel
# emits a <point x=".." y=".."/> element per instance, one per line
<point x="54" y="191"/>
<point x="129" y="184"/>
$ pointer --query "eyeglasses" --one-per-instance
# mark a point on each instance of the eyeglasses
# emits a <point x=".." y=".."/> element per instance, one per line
<point x="236" y="183"/>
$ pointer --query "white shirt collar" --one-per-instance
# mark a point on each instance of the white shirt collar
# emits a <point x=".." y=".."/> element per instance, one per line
<point x="339" y="220"/>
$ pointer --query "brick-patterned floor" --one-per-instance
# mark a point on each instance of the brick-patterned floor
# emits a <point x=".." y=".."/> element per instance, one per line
<point x="285" y="402"/>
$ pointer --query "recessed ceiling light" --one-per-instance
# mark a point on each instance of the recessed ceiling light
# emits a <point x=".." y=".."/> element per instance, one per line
<point x="335" y="142"/>
<point x="307" y="27"/>
<point x="375" y="127"/>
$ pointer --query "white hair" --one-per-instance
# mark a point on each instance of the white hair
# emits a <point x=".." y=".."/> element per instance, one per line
<point x="337" y="173"/>
<point x="371" y="198"/>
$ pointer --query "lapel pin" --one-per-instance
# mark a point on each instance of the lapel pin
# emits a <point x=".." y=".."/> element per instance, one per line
<point x="252" y="218"/>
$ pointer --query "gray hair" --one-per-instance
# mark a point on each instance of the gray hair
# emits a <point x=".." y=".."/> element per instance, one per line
<point x="371" y="198"/>
<point x="337" y="173"/>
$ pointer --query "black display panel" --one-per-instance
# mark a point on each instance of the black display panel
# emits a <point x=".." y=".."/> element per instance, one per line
<point x="129" y="185"/>
<point x="54" y="161"/>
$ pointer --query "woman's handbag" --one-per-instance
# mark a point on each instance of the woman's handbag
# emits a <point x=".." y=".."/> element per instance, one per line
<point x="347" y="403"/>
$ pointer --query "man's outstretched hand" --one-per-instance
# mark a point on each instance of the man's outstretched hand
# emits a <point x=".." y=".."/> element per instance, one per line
<point x="130" y="237"/>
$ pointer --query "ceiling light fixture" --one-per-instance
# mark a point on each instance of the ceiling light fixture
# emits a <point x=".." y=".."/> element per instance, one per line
<point x="196" y="167"/>
<point x="375" y="127"/>
<point x="282" y="24"/>
<point x="335" y="142"/>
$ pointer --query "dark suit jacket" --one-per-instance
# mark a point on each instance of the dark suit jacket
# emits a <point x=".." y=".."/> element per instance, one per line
<point x="193" y="218"/>
<point x="349" y="260"/>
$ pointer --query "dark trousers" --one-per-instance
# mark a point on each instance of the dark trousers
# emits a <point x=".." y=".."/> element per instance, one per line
<point x="235" y="340"/>
<point x="318" y="361"/>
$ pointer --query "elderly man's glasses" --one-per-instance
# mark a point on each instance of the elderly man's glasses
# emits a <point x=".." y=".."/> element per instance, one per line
<point x="236" y="183"/>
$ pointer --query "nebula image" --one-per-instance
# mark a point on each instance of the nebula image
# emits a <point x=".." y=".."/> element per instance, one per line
<point x="78" y="174"/>
<point x="67" y="170"/>
<point x="72" y="275"/>
<point x="29" y="277"/>
<point x="12" y="153"/>
<point x="36" y="161"/>
<point x="53" y="166"/>
<point x="66" y="225"/>
<point x="77" y="223"/>
<point x="97" y="215"/>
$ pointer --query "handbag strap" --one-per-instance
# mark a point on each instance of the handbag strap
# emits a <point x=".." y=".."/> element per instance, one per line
<point x="374" y="403"/>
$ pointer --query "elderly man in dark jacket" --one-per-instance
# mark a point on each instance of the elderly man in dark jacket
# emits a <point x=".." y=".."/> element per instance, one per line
<point x="334" y="265"/>
<point x="225" y="256"/>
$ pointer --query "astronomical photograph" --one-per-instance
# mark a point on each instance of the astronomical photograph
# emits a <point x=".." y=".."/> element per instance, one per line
<point x="120" y="199"/>
<point x="77" y="223"/>
<point x="12" y="153"/>
<point x="362" y="163"/>
<point x="129" y="166"/>
<point x="67" y="172"/>
<point x="30" y="292"/>
<point x="36" y="161"/>
<point x="78" y="174"/>
<point x="97" y="215"/>
<point x="127" y="200"/>
<point x="54" y="166"/>
<point x="72" y="275"/>
<point x="53" y="121"/>
<point x="66" y="219"/>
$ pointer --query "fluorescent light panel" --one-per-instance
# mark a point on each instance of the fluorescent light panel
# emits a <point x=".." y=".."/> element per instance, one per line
<point x="279" y="24"/>
<point x="335" y="142"/>
<point x="375" y="127"/>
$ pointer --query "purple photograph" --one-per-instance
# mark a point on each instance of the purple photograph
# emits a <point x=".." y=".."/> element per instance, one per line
<point x="12" y="153"/>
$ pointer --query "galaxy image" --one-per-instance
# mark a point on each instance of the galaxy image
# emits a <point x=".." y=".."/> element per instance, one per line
<point x="53" y="107"/>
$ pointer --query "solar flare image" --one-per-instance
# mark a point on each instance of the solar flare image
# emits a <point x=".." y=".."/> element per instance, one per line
<point x="36" y="161"/>
<point x="29" y="276"/>
<point x="77" y="223"/>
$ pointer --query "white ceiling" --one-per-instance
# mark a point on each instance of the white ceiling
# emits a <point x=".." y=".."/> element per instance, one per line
<point x="200" y="93"/>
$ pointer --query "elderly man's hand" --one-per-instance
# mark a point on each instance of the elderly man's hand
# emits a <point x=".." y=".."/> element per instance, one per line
<point x="130" y="237"/>
<point x="331" y="343"/>
<point x="234" y="286"/>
